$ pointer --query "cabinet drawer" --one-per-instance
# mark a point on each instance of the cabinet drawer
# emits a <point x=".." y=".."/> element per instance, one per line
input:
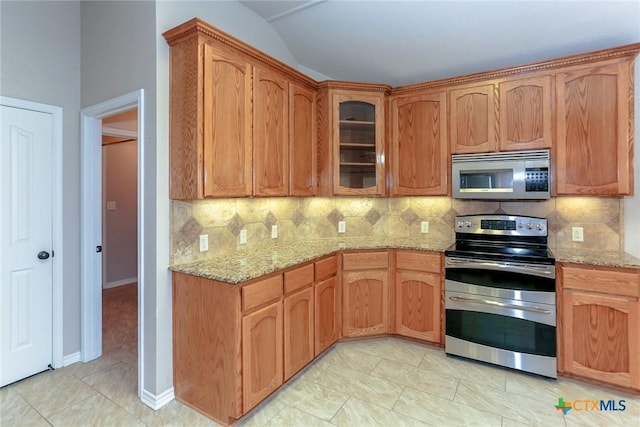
<point x="365" y="260"/>
<point x="326" y="267"/>
<point x="416" y="261"/>
<point x="621" y="281"/>
<point x="298" y="278"/>
<point x="261" y="292"/>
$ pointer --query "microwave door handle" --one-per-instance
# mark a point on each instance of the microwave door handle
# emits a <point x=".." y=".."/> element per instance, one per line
<point x="500" y="304"/>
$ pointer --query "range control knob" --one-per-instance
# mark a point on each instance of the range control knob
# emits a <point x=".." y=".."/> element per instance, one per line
<point x="520" y="225"/>
<point x="460" y="224"/>
<point x="530" y="226"/>
<point x="539" y="227"/>
<point x="468" y="224"/>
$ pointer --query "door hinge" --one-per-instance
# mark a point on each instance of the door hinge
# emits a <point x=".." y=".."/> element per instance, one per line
<point x="53" y="254"/>
<point x="99" y="248"/>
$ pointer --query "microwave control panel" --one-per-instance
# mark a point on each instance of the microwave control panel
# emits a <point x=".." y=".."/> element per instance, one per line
<point x="536" y="179"/>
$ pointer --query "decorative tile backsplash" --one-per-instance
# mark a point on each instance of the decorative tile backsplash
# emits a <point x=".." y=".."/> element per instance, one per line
<point x="318" y="217"/>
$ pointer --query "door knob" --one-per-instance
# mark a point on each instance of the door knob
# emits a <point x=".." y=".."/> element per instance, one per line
<point x="43" y="255"/>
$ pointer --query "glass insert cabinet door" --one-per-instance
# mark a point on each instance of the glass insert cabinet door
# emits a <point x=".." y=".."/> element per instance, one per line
<point x="359" y="144"/>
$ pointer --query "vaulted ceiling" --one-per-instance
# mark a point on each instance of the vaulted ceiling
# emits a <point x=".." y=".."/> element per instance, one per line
<point x="403" y="42"/>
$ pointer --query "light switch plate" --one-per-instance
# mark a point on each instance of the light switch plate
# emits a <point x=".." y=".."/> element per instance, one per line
<point x="274" y="231"/>
<point x="577" y="234"/>
<point x="111" y="205"/>
<point x="243" y="237"/>
<point x="204" y="242"/>
<point x="424" y="227"/>
<point x="342" y="227"/>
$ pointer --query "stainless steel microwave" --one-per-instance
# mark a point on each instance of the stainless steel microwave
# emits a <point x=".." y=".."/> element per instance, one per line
<point x="501" y="176"/>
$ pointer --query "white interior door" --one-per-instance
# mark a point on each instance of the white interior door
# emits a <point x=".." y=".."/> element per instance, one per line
<point x="26" y="212"/>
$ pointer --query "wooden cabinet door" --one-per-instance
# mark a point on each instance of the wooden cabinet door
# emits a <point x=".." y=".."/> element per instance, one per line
<point x="594" y="137"/>
<point x="525" y="114"/>
<point x="270" y="134"/>
<point x="327" y="314"/>
<point x="226" y="123"/>
<point x="298" y="331"/>
<point x="601" y="337"/>
<point x="358" y="141"/>
<point x="261" y="354"/>
<point x="303" y="141"/>
<point x="419" y="145"/>
<point x="365" y="303"/>
<point x="418" y="305"/>
<point x="473" y="119"/>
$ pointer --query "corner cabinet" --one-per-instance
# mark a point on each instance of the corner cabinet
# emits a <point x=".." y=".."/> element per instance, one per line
<point x="594" y="143"/>
<point x="365" y="284"/>
<point x="352" y="138"/>
<point x="600" y="324"/>
<point x="419" y="143"/>
<point x="418" y="295"/>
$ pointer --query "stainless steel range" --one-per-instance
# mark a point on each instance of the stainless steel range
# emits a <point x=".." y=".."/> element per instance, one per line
<point x="500" y="293"/>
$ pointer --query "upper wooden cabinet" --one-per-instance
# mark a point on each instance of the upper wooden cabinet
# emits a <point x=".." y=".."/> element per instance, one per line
<point x="210" y="119"/>
<point x="473" y="118"/>
<point x="352" y="142"/>
<point x="270" y="134"/>
<point x="594" y="143"/>
<point x="526" y="114"/>
<point x="419" y="144"/>
<point x="234" y="114"/>
<point x="302" y="141"/>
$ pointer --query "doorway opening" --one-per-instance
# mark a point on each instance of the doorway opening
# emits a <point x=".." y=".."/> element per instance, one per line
<point x="92" y="239"/>
<point x="120" y="236"/>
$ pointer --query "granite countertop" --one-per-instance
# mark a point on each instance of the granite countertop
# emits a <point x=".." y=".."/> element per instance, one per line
<point x="253" y="263"/>
<point x="597" y="257"/>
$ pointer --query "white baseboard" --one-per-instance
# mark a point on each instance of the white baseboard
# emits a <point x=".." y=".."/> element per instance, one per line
<point x="157" y="402"/>
<point x="120" y="283"/>
<point x="70" y="359"/>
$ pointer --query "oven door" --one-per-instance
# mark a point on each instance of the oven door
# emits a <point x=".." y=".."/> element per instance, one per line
<point x="502" y="317"/>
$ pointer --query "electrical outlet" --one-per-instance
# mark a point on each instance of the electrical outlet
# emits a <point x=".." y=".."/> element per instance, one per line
<point x="577" y="234"/>
<point x="424" y="227"/>
<point x="204" y="242"/>
<point x="342" y="227"/>
<point x="274" y="231"/>
<point x="243" y="237"/>
<point x="111" y="205"/>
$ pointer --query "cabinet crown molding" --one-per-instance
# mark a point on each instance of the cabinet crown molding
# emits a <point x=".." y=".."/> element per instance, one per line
<point x="620" y="52"/>
<point x="197" y="27"/>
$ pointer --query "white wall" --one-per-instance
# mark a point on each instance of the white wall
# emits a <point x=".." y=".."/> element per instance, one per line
<point x="118" y="57"/>
<point x="235" y="19"/>
<point x="120" y="242"/>
<point x="632" y="204"/>
<point x="40" y="46"/>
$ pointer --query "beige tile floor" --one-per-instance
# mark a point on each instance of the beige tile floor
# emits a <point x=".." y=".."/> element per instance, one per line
<point x="381" y="382"/>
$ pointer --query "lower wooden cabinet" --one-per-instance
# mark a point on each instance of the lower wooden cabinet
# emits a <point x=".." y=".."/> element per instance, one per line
<point x="261" y="354"/>
<point x="600" y="324"/>
<point x="298" y="331"/>
<point x="327" y="315"/>
<point x="365" y="288"/>
<point x="418" y="285"/>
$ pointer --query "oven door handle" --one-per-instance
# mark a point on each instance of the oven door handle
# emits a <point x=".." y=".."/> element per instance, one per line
<point x="530" y="268"/>
<point x="500" y="304"/>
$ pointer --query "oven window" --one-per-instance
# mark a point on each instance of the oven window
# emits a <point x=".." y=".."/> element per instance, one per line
<point x="501" y="279"/>
<point x="507" y="333"/>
